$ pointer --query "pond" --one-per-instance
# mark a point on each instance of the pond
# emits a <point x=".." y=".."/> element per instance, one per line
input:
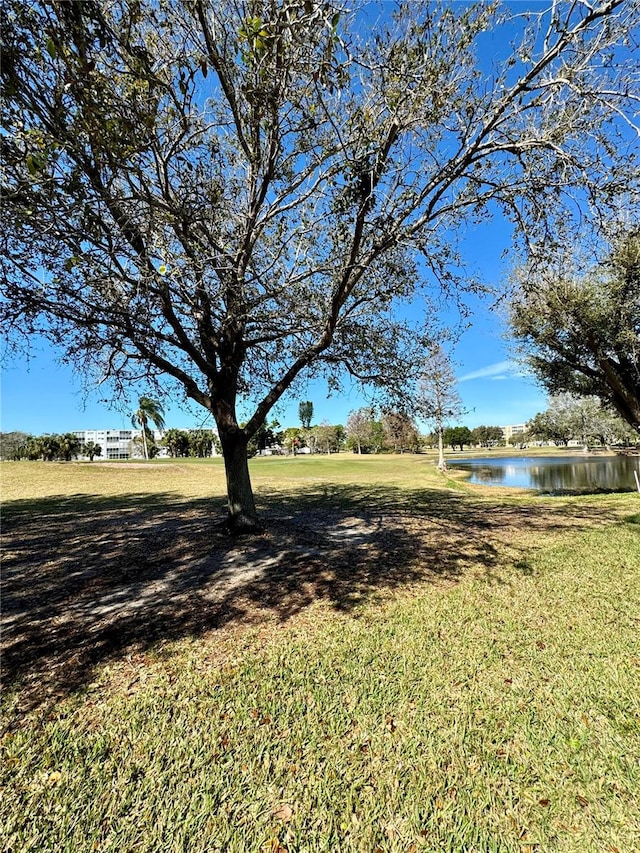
<point x="554" y="474"/>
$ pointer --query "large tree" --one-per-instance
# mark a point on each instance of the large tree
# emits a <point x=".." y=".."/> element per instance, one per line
<point x="581" y="331"/>
<point x="91" y="449"/>
<point x="233" y="193"/>
<point x="328" y="437"/>
<point x="177" y="442"/>
<point x="557" y="423"/>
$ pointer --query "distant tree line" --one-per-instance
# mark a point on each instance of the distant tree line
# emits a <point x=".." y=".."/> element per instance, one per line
<point x="48" y="448"/>
<point x="368" y="431"/>
<point x="568" y="418"/>
<point x="321" y="438"/>
<point x="397" y="432"/>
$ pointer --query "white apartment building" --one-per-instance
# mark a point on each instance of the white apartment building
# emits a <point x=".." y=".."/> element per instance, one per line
<point x="115" y="443"/>
<point x="513" y="430"/>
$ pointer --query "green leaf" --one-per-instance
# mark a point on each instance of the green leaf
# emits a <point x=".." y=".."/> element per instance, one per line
<point x="51" y="48"/>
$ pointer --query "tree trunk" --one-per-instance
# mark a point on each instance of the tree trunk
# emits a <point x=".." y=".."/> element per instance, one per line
<point x="442" y="465"/>
<point x="243" y="517"/>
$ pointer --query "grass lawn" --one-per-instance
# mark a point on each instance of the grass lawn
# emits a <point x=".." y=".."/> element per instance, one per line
<point x="401" y="662"/>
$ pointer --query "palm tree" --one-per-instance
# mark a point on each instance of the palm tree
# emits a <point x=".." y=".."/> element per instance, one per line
<point x="148" y="410"/>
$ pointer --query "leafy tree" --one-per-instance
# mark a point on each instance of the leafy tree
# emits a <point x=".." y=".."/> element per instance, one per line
<point x="177" y="442"/>
<point x="148" y="410"/>
<point x="430" y="440"/>
<point x="583" y="419"/>
<point x="91" y="449"/>
<point x="328" y="437"/>
<point x="26" y="449"/>
<point x="31" y="449"/>
<point x="69" y="446"/>
<point x="202" y="443"/>
<point x="47" y="447"/>
<point x="519" y="438"/>
<point x="582" y="332"/>
<point x="50" y="447"/>
<point x="360" y="427"/>
<point x="233" y="194"/>
<point x="377" y="436"/>
<point x="544" y="427"/>
<point x="557" y="423"/>
<point x="144" y="443"/>
<point x="12" y="444"/>
<point x="400" y="431"/>
<point x="487" y="436"/>
<point x="266" y="436"/>
<point x="608" y="428"/>
<point x="306" y="413"/>
<point x="294" y="438"/>
<point x="457" y="436"/>
<point x="438" y="399"/>
<point x="495" y="436"/>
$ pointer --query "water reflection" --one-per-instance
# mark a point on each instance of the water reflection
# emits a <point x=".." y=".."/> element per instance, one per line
<point x="555" y="474"/>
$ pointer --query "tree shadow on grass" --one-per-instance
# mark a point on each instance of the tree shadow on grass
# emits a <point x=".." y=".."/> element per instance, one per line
<point x="87" y="579"/>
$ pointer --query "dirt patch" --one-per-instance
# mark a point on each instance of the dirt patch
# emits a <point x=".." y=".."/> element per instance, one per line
<point x="133" y="464"/>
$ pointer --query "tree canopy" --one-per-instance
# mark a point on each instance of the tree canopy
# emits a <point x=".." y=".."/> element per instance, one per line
<point x="400" y="431"/>
<point x="487" y="436"/>
<point x="584" y="419"/>
<point x="581" y="332"/>
<point x="457" y="436"/>
<point x="305" y="410"/>
<point x="231" y="195"/>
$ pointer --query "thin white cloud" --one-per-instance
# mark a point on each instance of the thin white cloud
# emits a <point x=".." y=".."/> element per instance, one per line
<point x="499" y="370"/>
